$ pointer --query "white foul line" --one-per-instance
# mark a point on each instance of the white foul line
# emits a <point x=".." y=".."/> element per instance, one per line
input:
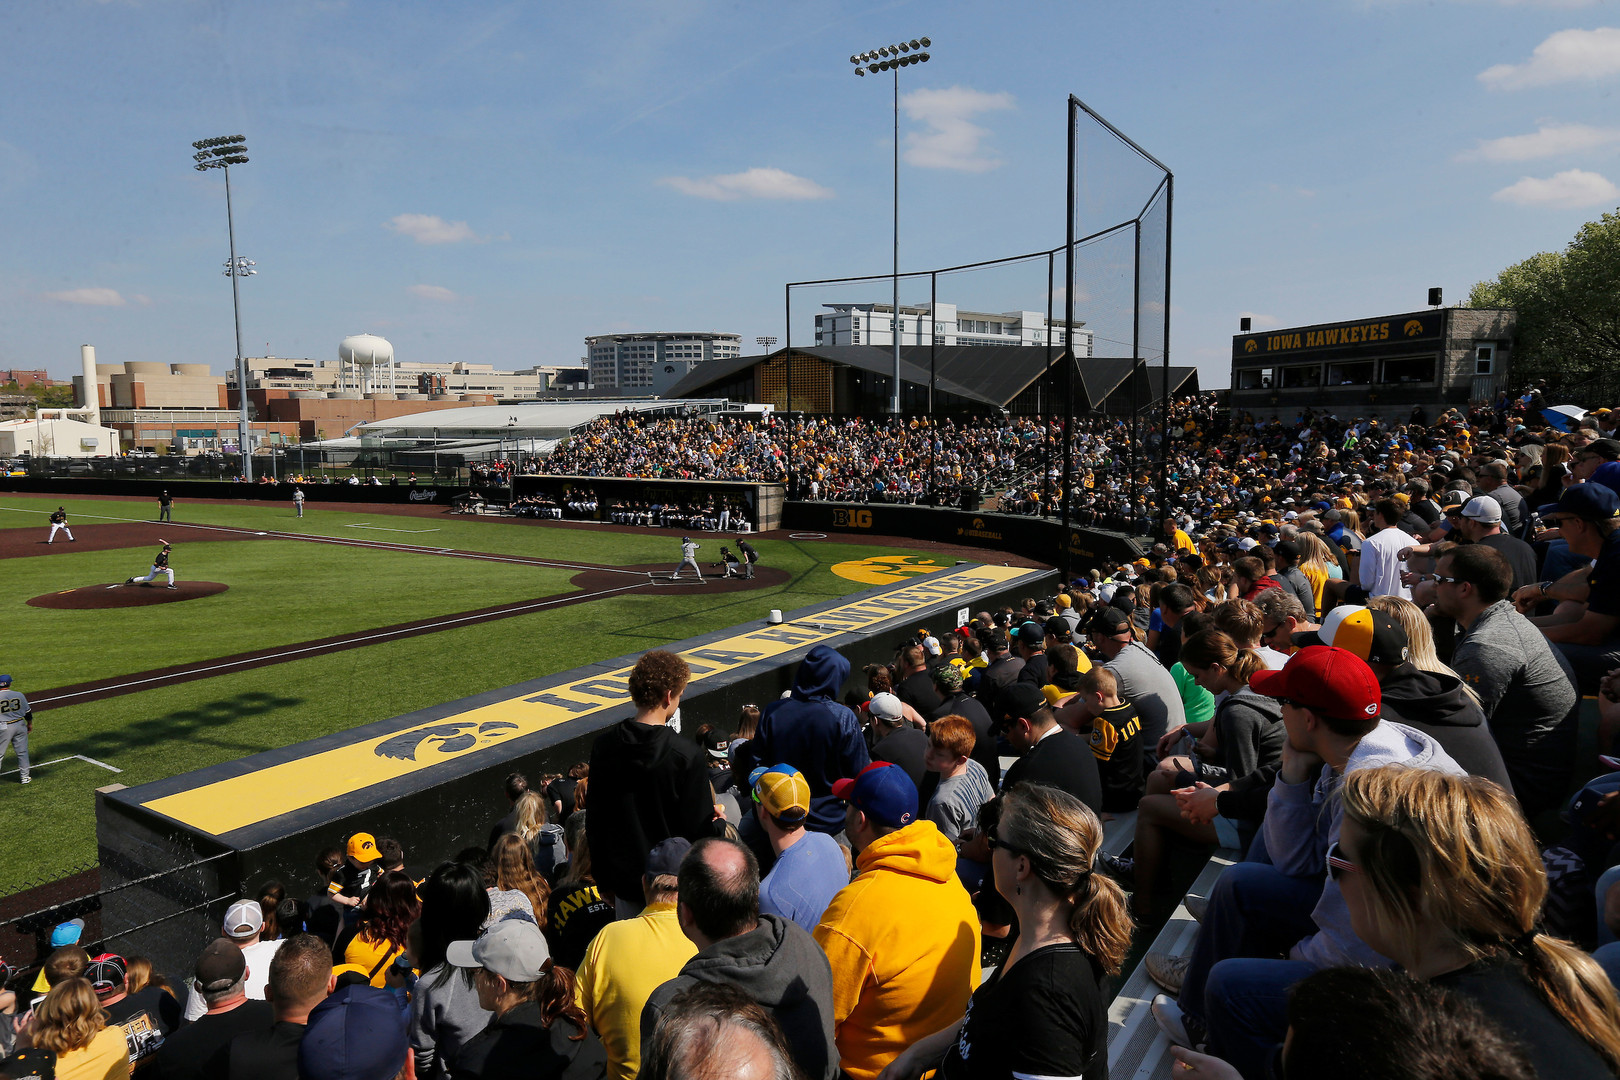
<point x="379" y="528"/>
<point x="58" y="761"/>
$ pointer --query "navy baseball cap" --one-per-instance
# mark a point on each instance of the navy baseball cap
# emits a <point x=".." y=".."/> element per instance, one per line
<point x="664" y="860"/>
<point x="1589" y="502"/>
<point x="358" y="1033"/>
<point x="1607" y="474"/>
<point x="1032" y="633"/>
<point x="883" y="792"/>
<point x="5" y="680"/>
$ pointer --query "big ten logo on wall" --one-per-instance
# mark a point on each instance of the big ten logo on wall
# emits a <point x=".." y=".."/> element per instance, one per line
<point x="887" y="569"/>
<point x="852" y="519"/>
<point x="977" y="529"/>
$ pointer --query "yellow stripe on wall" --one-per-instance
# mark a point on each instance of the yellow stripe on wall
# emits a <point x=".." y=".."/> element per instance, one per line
<point x="226" y="805"/>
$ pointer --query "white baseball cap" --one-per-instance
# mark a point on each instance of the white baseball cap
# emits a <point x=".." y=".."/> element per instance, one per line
<point x="1483" y="509"/>
<point x="244" y="919"/>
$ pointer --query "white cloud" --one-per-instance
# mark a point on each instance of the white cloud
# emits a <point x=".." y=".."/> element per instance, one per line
<point x="1261" y="322"/>
<point x="1549" y="140"/>
<point x="1566" y="56"/>
<point x="88" y="297"/>
<point x="756" y="183"/>
<point x="952" y="141"/>
<point x="432" y="229"/>
<point x="1570" y="190"/>
<point x="433" y="292"/>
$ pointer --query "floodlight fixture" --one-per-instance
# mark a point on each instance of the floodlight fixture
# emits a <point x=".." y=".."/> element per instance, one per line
<point x="222" y="152"/>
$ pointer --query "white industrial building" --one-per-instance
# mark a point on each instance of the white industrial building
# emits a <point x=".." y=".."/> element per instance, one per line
<point x="945" y="324"/>
<point x="652" y="362"/>
<point x="63" y="432"/>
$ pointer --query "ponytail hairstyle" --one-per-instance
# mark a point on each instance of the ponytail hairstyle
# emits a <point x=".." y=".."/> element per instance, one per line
<point x="1216" y="647"/>
<point x="1456" y="850"/>
<point x="1061" y="837"/>
<point x="553" y="991"/>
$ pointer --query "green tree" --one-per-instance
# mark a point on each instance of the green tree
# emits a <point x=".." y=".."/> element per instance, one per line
<point x="51" y="397"/>
<point x="1568" y="304"/>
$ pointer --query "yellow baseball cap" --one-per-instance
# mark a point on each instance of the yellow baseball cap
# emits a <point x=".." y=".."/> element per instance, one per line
<point x="363" y="848"/>
<point x="784" y="793"/>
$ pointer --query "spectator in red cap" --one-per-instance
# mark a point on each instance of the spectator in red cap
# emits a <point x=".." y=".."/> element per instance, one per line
<point x="1232" y="993"/>
<point x="897" y="977"/>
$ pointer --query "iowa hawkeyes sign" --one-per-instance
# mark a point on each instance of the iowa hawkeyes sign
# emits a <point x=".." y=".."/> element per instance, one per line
<point x="1340" y="337"/>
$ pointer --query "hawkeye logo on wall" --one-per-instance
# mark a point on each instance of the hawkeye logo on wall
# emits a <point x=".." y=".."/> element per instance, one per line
<point x="1251" y="345"/>
<point x="1413" y="328"/>
<point x="886" y="569"/>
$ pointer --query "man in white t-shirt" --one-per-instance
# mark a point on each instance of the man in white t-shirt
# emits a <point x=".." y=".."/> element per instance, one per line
<point x="244" y="923"/>
<point x="1380" y="553"/>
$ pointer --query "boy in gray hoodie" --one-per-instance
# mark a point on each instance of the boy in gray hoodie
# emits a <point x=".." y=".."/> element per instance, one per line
<point x="1331" y="705"/>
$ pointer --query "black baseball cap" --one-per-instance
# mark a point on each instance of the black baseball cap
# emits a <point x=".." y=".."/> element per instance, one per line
<point x="1106" y="620"/>
<point x="1018" y="701"/>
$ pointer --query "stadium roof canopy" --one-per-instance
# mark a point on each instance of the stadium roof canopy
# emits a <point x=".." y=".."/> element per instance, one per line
<point x="522" y="421"/>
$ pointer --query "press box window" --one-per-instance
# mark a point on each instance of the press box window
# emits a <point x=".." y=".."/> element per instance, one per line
<point x="1255" y="379"/>
<point x="1484" y="359"/>
<point x="1357" y="374"/>
<point x="1294" y="378"/>
<point x="1415" y="370"/>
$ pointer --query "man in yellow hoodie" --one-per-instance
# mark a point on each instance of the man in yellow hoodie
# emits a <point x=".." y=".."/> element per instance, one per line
<point x="903" y="937"/>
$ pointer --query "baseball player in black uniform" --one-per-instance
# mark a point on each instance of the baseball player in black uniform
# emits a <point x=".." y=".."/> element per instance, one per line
<point x="16" y="721"/>
<point x="59" y="521"/>
<point x="160" y="565"/>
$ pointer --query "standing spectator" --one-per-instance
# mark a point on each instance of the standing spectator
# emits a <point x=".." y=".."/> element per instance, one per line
<point x="577" y="910"/>
<point x="537" y="829"/>
<point x="649" y="783"/>
<point x="963" y="786"/>
<point x="391" y="907"/>
<point x="147" y="1016"/>
<point x="71" y="1024"/>
<point x="1044" y="1012"/>
<point x="1049" y="754"/>
<point x="1380" y="573"/>
<point x="516" y="786"/>
<point x="896" y="977"/>
<point x="810" y="867"/>
<point x="1524" y="684"/>
<point x="356" y="1033"/>
<point x="560" y="792"/>
<point x="715" y="1030"/>
<point x="1442" y="875"/>
<point x="221" y="979"/>
<point x="894" y="740"/>
<point x="814" y="733"/>
<point x="1000" y="671"/>
<point x="954" y="702"/>
<point x="631" y="958"/>
<point x="1143" y="681"/>
<point x="445" y="1010"/>
<point x="771" y="959"/>
<point x="515" y="872"/>
<point x="244" y="921"/>
<point x="362" y="866"/>
<point x="300" y="978"/>
<point x="537" y="1028"/>
<point x="915" y="688"/>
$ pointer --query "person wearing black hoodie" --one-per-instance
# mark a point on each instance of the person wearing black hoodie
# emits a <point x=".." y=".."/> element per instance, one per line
<point x="773" y="960"/>
<point x="816" y="734"/>
<point x="1432" y="702"/>
<point x="647" y="783"/>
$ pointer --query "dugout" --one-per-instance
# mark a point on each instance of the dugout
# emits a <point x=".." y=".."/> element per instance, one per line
<point x="190" y="844"/>
<point x="763" y="501"/>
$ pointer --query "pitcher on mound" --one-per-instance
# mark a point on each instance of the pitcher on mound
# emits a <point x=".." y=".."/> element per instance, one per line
<point x="160" y="565"/>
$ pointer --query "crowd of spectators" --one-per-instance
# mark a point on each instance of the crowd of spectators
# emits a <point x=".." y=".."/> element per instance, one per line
<point x="1364" y="685"/>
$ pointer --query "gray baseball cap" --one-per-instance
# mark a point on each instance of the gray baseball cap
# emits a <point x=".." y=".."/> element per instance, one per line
<point x="514" y="949"/>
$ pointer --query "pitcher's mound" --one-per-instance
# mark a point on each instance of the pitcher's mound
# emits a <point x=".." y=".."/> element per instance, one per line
<point x="120" y="595"/>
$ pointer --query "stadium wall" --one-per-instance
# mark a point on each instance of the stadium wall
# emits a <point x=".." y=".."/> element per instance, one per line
<point x="1032" y="537"/>
<point x="764" y="500"/>
<point x="432" y="779"/>
<point x="181" y="489"/>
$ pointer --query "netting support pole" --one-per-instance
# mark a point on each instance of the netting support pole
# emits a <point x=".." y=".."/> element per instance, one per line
<point x="787" y="358"/>
<point x="1136" y="369"/>
<point x="1043" y="407"/>
<point x="1164" y="434"/>
<point x="933" y="344"/>
<point x="894" y="399"/>
<point x="1068" y="356"/>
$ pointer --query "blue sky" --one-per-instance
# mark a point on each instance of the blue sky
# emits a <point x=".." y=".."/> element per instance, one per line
<point x="491" y="183"/>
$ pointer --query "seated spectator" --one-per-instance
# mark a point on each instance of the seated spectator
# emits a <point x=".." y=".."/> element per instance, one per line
<point x="963" y="786"/>
<point x="771" y="959"/>
<point x="536" y="1027"/>
<point x="1048" y="754"/>
<point x="1354" y="1023"/>
<point x="146" y="1016"/>
<point x="1142" y="680"/>
<point x="445" y="1010"/>
<point x="650" y="784"/>
<point x="356" y="1032"/>
<point x="1245" y="624"/>
<point x="1442" y="875"/>
<point x="810" y="867"/>
<point x="221" y="979"/>
<point x="896" y="977"/>
<point x="713" y="1030"/>
<point x="631" y="958"/>
<point x="300" y="978"/>
<point x="1044" y="1012"/>
<point x="577" y="910"/>
<point x="67" y="961"/>
<point x="391" y="907"/>
<point x="70" y="1023"/>
<point x="1283" y="616"/>
<point x="1585" y="625"/>
<point x="1293" y="580"/>
<point x="1114" y="731"/>
<point x="1217" y="794"/>
<point x="1330" y="708"/>
<point x="816" y="734"/>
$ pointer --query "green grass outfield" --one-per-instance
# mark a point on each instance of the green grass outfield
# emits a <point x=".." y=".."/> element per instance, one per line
<point x="285" y="591"/>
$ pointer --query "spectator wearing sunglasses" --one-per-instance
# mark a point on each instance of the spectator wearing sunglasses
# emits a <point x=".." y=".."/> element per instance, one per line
<point x="1233" y="991"/>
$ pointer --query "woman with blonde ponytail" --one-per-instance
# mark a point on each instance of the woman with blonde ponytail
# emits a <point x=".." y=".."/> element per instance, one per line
<point x="1442" y="875"/>
<point x="1043" y="1012"/>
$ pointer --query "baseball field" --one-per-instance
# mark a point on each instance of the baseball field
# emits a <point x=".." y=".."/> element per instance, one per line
<point x="283" y="629"/>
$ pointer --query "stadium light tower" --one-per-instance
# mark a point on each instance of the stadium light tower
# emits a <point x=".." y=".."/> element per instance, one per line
<point x="222" y="153"/>
<point x="893" y="58"/>
<point x="765" y="342"/>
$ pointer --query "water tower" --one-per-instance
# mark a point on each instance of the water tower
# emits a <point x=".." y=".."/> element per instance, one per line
<point x="366" y="364"/>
